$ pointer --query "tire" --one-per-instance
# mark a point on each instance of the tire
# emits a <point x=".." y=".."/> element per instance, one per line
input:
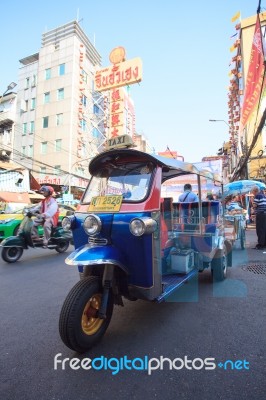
<point x="78" y="330"/>
<point x="11" y="254"/>
<point x="219" y="266"/>
<point x="243" y="239"/>
<point x="62" y="247"/>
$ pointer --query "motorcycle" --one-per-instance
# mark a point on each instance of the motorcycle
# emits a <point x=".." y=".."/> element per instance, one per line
<point x="13" y="246"/>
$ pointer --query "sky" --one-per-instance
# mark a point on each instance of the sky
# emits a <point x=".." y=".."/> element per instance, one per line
<point x="185" y="51"/>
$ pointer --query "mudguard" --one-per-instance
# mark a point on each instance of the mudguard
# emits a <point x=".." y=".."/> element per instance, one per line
<point x="14" y="241"/>
<point x="93" y="255"/>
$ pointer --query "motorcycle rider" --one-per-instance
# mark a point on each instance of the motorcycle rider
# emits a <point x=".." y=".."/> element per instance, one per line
<point x="49" y="212"/>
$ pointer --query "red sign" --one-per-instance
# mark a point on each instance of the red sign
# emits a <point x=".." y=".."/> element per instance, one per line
<point x="254" y="79"/>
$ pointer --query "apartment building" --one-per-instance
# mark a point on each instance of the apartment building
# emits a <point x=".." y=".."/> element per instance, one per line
<point x="60" y="122"/>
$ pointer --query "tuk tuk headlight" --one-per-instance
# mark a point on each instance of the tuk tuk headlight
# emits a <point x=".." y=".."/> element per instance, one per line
<point x="92" y="224"/>
<point x="142" y="226"/>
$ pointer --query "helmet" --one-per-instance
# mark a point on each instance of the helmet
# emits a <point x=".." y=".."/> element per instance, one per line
<point x="47" y="189"/>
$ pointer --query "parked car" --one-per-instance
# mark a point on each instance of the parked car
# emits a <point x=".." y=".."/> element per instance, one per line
<point x="12" y="214"/>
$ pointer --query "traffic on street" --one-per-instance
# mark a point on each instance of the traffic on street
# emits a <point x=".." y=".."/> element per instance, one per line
<point x="204" y="343"/>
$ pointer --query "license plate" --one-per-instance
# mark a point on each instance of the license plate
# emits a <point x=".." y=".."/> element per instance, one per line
<point x="105" y="203"/>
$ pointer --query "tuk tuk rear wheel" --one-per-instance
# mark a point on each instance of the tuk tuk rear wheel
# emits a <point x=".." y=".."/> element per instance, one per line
<point x="11" y="254"/>
<point x="79" y="326"/>
<point x="219" y="265"/>
<point x="243" y="239"/>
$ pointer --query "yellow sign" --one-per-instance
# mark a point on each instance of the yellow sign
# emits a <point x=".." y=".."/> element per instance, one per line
<point x="122" y="74"/>
<point x="105" y="203"/>
<point x="117" y="55"/>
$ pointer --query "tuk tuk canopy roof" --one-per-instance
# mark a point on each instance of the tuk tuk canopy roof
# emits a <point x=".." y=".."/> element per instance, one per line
<point x="171" y="167"/>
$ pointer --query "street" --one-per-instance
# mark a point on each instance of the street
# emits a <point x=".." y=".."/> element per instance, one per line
<point x="225" y="322"/>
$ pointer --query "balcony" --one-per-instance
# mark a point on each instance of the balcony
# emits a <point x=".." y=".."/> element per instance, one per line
<point x="7" y="119"/>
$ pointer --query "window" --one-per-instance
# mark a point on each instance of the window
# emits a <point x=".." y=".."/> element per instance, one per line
<point x="33" y="103"/>
<point x="46" y="97"/>
<point x="27" y="83"/>
<point x="84" y="76"/>
<point x="84" y="100"/>
<point x="96" y="133"/>
<point x="96" y="109"/>
<point x="44" y="147"/>
<point x="45" y="122"/>
<point x="24" y="150"/>
<point x="30" y="153"/>
<point x="32" y="126"/>
<point x="60" y="94"/>
<point x="83" y="125"/>
<point x="61" y="69"/>
<point x="26" y="105"/>
<point x="48" y="74"/>
<point x="43" y="170"/>
<point x="59" y="119"/>
<point x="57" y="169"/>
<point x="24" y="128"/>
<point x="58" y="144"/>
<point x="34" y="80"/>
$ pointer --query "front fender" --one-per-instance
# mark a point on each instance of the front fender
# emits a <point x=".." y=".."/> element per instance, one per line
<point x="93" y="255"/>
<point x="13" y="241"/>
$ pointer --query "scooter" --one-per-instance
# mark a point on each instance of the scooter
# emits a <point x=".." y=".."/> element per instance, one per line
<point x="12" y="247"/>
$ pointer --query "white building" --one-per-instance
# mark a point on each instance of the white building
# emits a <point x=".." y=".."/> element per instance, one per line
<point x="60" y="118"/>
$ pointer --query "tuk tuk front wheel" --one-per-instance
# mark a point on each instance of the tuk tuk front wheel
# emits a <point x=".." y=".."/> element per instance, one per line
<point x="11" y="254"/>
<point x="219" y="265"/>
<point x="79" y="325"/>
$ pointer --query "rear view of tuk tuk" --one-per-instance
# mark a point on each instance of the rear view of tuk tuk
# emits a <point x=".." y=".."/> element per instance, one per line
<point x="133" y="244"/>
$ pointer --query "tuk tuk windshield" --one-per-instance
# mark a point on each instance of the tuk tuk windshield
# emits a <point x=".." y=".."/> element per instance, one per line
<point x="131" y="180"/>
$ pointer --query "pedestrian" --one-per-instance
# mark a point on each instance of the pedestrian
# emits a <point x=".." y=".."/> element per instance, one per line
<point x="259" y="204"/>
<point x="233" y="204"/>
<point x="49" y="210"/>
<point x="188" y="195"/>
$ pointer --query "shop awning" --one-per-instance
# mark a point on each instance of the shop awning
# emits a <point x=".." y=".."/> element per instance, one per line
<point x="34" y="185"/>
<point x="15" y="197"/>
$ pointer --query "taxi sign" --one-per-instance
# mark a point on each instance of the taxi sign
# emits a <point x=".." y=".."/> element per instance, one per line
<point x="119" y="141"/>
<point x="105" y="203"/>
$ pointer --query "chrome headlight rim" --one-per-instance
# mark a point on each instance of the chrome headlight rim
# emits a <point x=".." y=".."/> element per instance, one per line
<point x="142" y="226"/>
<point x="92" y="225"/>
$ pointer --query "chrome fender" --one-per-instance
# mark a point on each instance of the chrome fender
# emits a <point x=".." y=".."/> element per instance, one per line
<point x="96" y="255"/>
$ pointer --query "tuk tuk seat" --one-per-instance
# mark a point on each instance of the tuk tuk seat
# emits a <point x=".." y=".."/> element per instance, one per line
<point x="186" y="216"/>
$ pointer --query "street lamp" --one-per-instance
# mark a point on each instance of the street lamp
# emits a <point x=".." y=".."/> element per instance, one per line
<point x="218" y="120"/>
<point x="10" y="87"/>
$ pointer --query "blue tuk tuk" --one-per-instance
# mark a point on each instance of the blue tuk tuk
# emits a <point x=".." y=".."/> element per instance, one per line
<point x="132" y="243"/>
